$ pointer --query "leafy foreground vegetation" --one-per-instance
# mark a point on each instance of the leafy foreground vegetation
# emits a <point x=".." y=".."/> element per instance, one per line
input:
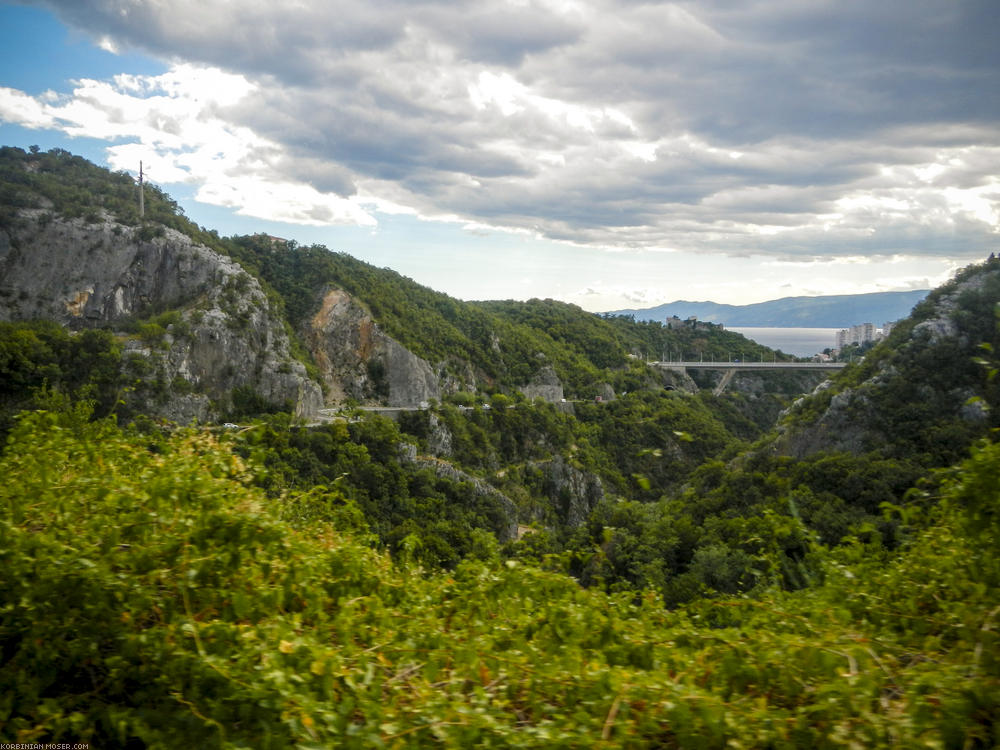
<point x="151" y="596"/>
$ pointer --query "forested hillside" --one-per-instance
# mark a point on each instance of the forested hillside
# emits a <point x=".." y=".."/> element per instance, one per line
<point x="507" y="343"/>
<point x="566" y="548"/>
<point x="489" y="347"/>
<point x="151" y="595"/>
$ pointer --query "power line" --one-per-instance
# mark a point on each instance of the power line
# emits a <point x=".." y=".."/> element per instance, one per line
<point x="142" y="202"/>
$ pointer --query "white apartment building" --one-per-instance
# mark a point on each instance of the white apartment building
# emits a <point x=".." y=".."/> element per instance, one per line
<point x="862" y="333"/>
<point x="858" y="334"/>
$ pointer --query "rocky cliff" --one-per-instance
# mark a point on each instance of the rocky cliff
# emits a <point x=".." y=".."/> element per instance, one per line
<point x="918" y="393"/>
<point x="360" y="361"/>
<point x="573" y="493"/>
<point x="194" y="322"/>
<point x="544" y="385"/>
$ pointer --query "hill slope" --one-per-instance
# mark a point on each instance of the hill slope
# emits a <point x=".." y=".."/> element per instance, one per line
<point x="73" y="249"/>
<point x="170" y="602"/>
<point x="488" y="346"/>
<point x="837" y="461"/>
<point x="922" y="392"/>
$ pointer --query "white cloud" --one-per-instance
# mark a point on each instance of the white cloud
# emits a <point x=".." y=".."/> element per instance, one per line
<point x="176" y="124"/>
<point x="107" y="44"/>
<point x="748" y="130"/>
<point x="283" y="201"/>
<point x="24" y="110"/>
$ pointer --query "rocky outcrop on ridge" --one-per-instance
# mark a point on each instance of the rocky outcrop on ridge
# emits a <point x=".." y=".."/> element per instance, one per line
<point x="573" y="493"/>
<point x="919" y="390"/>
<point x="358" y="360"/>
<point x="223" y="333"/>
<point x="545" y="385"/>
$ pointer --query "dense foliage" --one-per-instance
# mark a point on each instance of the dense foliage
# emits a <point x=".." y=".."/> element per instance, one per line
<point x="511" y="462"/>
<point x="152" y="597"/>
<point x="40" y="357"/>
<point x="438" y="518"/>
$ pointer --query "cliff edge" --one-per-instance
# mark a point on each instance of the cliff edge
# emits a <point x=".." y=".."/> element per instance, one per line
<point x="191" y="319"/>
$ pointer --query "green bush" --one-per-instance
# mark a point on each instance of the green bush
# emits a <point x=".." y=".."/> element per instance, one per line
<point x="152" y="597"/>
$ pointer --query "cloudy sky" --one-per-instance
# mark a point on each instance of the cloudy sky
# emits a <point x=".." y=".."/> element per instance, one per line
<point x="609" y="153"/>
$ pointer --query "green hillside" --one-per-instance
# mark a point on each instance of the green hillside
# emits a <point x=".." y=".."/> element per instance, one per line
<point x="507" y="342"/>
<point x="151" y="596"/>
<point x="58" y="182"/>
<point x="662" y="567"/>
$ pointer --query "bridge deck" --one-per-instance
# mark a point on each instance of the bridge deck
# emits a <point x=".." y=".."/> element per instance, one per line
<point x="751" y="365"/>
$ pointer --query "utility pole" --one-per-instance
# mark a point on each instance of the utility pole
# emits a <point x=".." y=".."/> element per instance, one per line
<point x="142" y="202"/>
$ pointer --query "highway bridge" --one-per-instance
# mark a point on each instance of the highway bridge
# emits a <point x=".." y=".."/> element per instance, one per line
<point x="702" y="365"/>
<point x="732" y="367"/>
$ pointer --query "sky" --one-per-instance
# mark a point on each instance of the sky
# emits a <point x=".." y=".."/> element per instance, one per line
<point x="608" y="153"/>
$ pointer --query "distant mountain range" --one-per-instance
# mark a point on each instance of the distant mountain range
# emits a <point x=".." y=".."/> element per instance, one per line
<point x="834" y="311"/>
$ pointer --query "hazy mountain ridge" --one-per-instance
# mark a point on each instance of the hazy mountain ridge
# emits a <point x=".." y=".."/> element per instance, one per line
<point x="834" y="311"/>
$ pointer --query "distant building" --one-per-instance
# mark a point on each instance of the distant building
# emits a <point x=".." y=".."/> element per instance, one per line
<point x="272" y="239"/>
<point x="858" y="334"/>
<point x="674" y="323"/>
<point x="862" y="334"/>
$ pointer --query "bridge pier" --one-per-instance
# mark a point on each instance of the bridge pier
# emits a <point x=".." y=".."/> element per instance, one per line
<point x="731" y="367"/>
<point x="726" y="379"/>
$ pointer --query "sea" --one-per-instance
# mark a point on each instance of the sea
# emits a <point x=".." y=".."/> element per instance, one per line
<point x="802" y="342"/>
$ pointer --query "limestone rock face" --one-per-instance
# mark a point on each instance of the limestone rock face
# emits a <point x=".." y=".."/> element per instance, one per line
<point x="572" y="492"/>
<point x="360" y="361"/>
<point x="221" y="335"/>
<point x="544" y="385"/>
<point x="440" y="439"/>
<point x="78" y="273"/>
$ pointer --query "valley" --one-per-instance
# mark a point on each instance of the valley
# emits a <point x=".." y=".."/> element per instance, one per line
<point x="430" y="522"/>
